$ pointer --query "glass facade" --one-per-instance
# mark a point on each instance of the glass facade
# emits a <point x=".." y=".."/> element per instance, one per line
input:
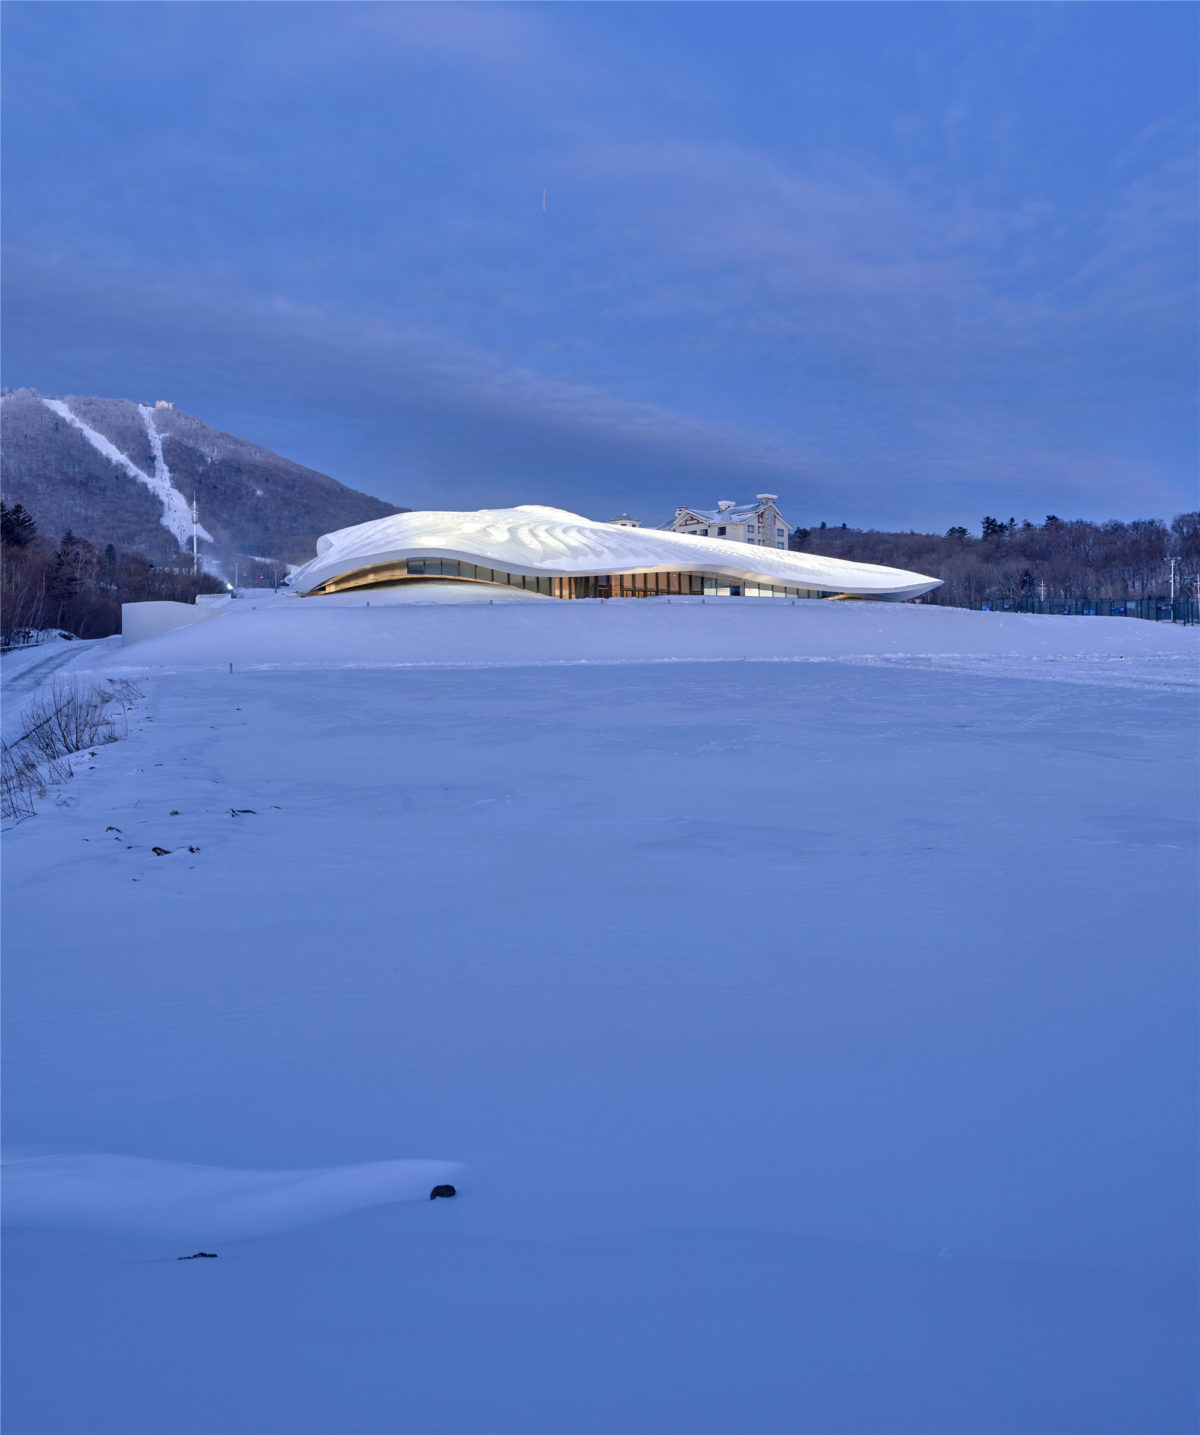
<point x="606" y="585"/>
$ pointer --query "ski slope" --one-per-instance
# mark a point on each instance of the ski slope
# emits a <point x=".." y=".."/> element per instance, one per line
<point x="803" y="1000"/>
<point x="177" y="513"/>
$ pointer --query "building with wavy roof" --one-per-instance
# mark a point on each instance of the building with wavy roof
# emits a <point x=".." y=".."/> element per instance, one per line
<point x="563" y="555"/>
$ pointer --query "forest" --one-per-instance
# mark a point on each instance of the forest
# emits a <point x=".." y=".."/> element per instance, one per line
<point x="1007" y="562"/>
<point x="72" y="586"/>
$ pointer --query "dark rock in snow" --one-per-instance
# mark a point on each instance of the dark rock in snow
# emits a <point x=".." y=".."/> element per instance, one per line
<point x="442" y="1191"/>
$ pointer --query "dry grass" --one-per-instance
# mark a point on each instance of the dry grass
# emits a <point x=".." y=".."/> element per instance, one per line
<point x="69" y="717"/>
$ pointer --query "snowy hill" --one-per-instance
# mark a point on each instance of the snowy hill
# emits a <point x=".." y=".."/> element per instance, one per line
<point x="114" y="471"/>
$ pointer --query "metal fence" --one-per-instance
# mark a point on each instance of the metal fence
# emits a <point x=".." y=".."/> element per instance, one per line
<point x="1155" y="610"/>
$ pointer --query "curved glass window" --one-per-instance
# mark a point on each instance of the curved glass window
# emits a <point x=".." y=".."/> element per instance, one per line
<point x="607" y="585"/>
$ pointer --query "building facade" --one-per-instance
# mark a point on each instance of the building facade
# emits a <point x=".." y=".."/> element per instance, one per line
<point x="759" y="523"/>
<point x="562" y="555"/>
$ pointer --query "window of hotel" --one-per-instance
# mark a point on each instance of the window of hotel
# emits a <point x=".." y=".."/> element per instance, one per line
<point x="720" y="533"/>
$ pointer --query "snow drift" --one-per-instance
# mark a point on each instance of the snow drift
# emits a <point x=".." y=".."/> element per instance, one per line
<point x="133" y="1195"/>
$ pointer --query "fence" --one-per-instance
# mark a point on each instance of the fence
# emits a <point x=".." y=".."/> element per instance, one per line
<point x="1155" y="610"/>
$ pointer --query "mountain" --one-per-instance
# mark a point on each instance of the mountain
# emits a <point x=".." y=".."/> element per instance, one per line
<point x="114" y="471"/>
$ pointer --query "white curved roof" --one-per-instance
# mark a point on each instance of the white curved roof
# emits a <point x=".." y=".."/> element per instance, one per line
<point x="550" y="542"/>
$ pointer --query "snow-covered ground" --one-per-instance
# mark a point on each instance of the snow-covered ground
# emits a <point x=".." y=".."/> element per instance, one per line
<point x="447" y="624"/>
<point x="816" y="1033"/>
<point x="27" y="671"/>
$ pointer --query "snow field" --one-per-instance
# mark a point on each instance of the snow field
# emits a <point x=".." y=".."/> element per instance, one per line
<point x="398" y="629"/>
<point x="817" y="1037"/>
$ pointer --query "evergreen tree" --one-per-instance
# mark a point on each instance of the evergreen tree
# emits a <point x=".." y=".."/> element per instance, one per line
<point x="75" y="566"/>
<point x="17" y="528"/>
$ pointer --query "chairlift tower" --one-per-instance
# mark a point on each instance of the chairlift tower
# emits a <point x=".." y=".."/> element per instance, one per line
<point x="195" y="550"/>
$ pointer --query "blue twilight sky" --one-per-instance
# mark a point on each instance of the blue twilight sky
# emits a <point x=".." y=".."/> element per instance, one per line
<point x="900" y="264"/>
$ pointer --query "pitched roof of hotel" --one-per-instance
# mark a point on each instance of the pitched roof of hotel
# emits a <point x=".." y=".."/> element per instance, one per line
<point x="738" y="513"/>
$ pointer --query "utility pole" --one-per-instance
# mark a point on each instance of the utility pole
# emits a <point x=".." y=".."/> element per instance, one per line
<point x="1172" y="562"/>
<point x="1042" y="590"/>
<point x="195" y="553"/>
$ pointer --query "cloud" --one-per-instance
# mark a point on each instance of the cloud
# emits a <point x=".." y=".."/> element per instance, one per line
<point x="351" y="234"/>
<point x="443" y="406"/>
<point x="422" y="417"/>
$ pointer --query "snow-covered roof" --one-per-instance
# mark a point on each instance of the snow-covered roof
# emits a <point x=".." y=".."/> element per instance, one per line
<point x="550" y="542"/>
<point x="736" y="513"/>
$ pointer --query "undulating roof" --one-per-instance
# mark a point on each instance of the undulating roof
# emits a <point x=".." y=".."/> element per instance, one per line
<point x="550" y="542"/>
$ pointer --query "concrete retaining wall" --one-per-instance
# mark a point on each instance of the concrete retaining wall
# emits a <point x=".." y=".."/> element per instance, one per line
<point x="147" y="620"/>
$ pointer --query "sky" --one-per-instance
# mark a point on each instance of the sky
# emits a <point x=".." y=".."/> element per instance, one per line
<point x="901" y="265"/>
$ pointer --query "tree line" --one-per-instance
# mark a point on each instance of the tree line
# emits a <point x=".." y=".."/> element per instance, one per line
<point x="1008" y="561"/>
<point x="74" y="586"/>
<point x="78" y="587"/>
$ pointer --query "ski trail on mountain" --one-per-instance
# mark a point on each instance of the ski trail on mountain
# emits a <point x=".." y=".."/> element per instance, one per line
<point x="162" y="474"/>
<point x="177" y="516"/>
